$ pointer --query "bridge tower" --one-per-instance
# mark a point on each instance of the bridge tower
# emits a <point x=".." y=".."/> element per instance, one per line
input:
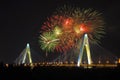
<point x="84" y="44"/>
<point x="25" y="56"/>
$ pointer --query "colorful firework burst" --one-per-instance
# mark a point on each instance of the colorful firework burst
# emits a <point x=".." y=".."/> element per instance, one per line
<point x="48" y="41"/>
<point x="67" y="25"/>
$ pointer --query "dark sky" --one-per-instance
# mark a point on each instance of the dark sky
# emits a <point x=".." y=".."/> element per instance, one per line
<point x="20" y="23"/>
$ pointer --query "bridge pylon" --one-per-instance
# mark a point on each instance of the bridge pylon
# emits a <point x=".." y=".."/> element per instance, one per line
<point x="84" y="44"/>
<point x="25" y="56"/>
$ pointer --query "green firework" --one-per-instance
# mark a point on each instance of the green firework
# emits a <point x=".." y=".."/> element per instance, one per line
<point x="48" y="41"/>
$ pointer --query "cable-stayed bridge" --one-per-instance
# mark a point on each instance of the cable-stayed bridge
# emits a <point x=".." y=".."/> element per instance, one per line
<point x="29" y="56"/>
<point x="86" y="54"/>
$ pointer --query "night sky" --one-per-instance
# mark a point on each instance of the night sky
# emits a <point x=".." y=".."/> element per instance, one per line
<point x="20" y="23"/>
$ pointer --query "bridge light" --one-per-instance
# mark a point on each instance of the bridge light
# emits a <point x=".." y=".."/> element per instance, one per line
<point x="116" y="62"/>
<point x="99" y="61"/>
<point x="107" y="61"/>
<point x="28" y="45"/>
<point x="119" y="60"/>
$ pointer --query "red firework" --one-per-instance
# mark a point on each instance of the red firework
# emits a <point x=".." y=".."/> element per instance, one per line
<point x="68" y="25"/>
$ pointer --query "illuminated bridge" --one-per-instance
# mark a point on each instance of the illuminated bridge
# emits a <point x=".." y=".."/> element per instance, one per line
<point x="86" y="55"/>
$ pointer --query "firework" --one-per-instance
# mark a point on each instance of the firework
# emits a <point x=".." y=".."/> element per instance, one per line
<point x="48" y="41"/>
<point x="85" y="21"/>
<point x="67" y="25"/>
